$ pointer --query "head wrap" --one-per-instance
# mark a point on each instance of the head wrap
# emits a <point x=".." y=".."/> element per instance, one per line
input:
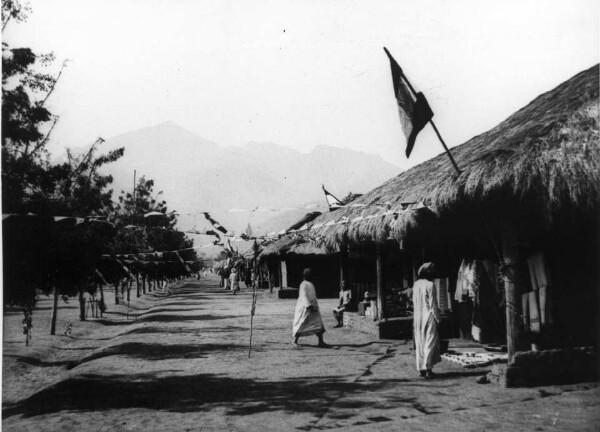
<point x="306" y="274"/>
<point x="427" y="271"/>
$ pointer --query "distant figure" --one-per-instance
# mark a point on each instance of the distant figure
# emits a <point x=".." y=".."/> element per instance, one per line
<point x="426" y="319"/>
<point x="205" y="273"/>
<point x="307" y="318"/>
<point x="226" y="275"/>
<point x="345" y="299"/>
<point x="235" y="281"/>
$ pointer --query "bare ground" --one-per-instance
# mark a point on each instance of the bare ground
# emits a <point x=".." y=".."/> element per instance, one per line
<point x="180" y="362"/>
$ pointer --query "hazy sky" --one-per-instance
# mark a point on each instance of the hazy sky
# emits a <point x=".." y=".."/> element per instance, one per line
<point x="303" y="73"/>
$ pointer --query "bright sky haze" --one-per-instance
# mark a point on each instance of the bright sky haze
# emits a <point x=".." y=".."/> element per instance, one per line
<point x="300" y="74"/>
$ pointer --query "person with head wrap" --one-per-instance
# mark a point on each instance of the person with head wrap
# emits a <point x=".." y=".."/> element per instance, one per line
<point x="307" y="318"/>
<point x="425" y="321"/>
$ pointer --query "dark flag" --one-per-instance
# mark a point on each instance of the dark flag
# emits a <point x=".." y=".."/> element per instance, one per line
<point x="214" y="223"/>
<point x="413" y="108"/>
<point x="332" y="201"/>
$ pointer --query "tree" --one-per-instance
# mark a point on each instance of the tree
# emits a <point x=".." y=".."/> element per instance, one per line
<point x="137" y="233"/>
<point x="31" y="184"/>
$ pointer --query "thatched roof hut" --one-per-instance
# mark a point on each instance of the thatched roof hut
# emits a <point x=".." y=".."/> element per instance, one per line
<point x="292" y="245"/>
<point x="542" y="160"/>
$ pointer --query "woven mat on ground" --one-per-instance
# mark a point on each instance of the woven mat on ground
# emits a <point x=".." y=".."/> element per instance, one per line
<point x="471" y="359"/>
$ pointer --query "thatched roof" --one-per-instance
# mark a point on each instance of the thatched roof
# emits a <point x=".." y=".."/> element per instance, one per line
<point x="292" y="245"/>
<point x="548" y="150"/>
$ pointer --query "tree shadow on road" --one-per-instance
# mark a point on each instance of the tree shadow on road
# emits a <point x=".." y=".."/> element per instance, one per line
<point x="196" y="393"/>
<point x="157" y="351"/>
<point x="183" y="330"/>
<point x="167" y="310"/>
<point x="177" y="317"/>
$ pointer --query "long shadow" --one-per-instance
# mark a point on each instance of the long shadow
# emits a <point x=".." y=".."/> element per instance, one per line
<point x="162" y="330"/>
<point x="462" y="374"/>
<point x="183" y="330"/>
<point x="112" y="323"/>
<point x="334" y="346"/>
<point x="163" y="310"/>
<point x="190" y="303"/>
<point x="157" y="351"/>
<point x="37" y="362"/>
<point x="197" y="393"/>
<point x="177" y="318"/>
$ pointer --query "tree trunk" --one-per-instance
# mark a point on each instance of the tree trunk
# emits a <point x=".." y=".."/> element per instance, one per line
<point x="129" y="283"/>
<point x="81" y="305"/>
<point x="102" y="303"/>
<point x="510" y="252"/>
<point x="54" y="312"/>
<point x="144" y="284"/>
<point x="116" y="285"/>
<point x="380" y="283"/>
<point x="137" y="285"/>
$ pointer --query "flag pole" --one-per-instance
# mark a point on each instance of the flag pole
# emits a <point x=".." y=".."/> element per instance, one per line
<point x="414" y="92"/>
<point x="254" y="295"/>
<point x="327" y="192"/>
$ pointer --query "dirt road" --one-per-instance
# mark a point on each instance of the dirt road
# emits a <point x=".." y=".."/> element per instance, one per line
<point x="180" y="362"/>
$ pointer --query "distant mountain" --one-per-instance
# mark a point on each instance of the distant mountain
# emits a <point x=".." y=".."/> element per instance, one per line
<point x="198" y="175"/>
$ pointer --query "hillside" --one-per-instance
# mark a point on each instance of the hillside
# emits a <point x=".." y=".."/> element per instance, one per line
<point x="198" y="175"/>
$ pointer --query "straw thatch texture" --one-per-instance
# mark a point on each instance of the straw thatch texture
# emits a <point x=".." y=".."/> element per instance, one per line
<point x="548" y="150"/>
<point x="292" y="245"/>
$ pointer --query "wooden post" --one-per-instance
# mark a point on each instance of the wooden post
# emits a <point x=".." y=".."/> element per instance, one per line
<point x="284" y="278"/>
<point x="54" y="311"/>
<point x="344" y="263"/>
<point x="102" y="304"/>
<point x="81" y="305"/>
<point x="380" y="283"/>
<point x="116" y="285"/>
<point x="510" y="252"/>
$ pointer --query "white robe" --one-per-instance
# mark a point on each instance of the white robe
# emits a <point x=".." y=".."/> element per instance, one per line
<point x="425" y="323"/>
<point x="307" y="321"/>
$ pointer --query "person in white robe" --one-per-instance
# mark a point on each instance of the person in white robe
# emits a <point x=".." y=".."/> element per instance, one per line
<point x="426" y="319"/>
<point x="307" y="318"/>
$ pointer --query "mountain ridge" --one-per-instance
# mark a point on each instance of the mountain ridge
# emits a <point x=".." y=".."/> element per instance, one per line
<point x="200" y="175"/>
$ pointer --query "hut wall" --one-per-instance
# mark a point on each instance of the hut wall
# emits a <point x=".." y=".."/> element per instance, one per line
<point x="284" y="274"/>
<point x="325" y="273"/>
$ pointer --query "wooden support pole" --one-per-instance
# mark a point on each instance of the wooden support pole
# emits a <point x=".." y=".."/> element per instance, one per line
<point x="54" y="311"/>
<point x="116" y="285"/>
<point x="81" y="305"/>
<point x="102" y="303"/>
<point x="380" y="283"/>
<point x="510" y="252"/>
<point x="344" y="276"/>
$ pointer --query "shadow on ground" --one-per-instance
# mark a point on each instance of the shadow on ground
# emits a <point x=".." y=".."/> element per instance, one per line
<point x="150" y="317"/>
<point x="157" y="351"/>
<point x="200" y="392"/>
<point x="183" y="330"/>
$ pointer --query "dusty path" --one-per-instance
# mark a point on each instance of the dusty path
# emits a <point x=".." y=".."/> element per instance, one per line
<point x="183" y="364"/>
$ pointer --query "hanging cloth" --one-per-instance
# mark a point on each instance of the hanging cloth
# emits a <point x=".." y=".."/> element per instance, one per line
<point x="534" y="313"/>
<point x="443" y="296"/>
<point x="525" y="309"/>
<point x="540" y="283"/>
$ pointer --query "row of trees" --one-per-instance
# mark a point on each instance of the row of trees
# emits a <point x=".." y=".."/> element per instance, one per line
<point x="42" y="255"/>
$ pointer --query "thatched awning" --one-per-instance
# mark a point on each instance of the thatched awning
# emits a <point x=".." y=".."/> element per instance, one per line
<point x="549" y="150"/>
<point x="293" y="245"/>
